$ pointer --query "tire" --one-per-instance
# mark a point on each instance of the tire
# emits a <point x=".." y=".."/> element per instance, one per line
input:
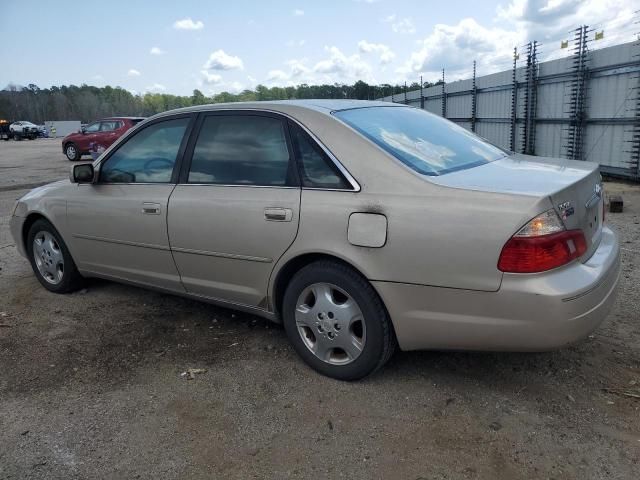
<point x="54" y="268"/>
<point x="72" y="152"/>
<point x="370" y="340"/>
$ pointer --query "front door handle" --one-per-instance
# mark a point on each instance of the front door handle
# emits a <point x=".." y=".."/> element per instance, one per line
<point x="149" y="208"/>
<point x="278" y="214"/>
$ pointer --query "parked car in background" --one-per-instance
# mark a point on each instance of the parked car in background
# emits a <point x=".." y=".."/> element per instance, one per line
<point x="99" y="134"/>
<point x="358" y="225"/>
<point x="24" y="129"/>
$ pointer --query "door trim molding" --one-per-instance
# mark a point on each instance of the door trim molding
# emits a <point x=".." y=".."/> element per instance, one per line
<point x="120" y="242"/>
<point x="233" y="256"/>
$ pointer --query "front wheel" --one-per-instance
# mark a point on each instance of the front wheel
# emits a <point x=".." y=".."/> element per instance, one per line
<point x="72" y="152"/>
<point x="51" y="260"/>
<point x="337" y="322"/>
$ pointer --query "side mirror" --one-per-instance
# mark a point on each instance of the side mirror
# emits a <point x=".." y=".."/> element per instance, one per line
<point x="82" y="173"/>
<point x="83" y="130"/>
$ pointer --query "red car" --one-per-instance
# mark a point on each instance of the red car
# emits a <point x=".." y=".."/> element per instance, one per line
<point x="99" y="134"/>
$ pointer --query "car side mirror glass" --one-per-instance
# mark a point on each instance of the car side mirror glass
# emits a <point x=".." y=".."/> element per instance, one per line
<point x="82" y="173"/>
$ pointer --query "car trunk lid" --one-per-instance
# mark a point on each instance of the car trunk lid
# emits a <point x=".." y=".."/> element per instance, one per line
<point x="573" y="187"/>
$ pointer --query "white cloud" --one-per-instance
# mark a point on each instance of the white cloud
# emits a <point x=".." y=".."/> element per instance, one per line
<point x="188" y="24"/>
<point x="296" y="43"/>
<point x="156" y="51"/>
<point x="401" y="25"/>
<point x="299" y="69"/>
<point x="386" y="55"/>
<point x="341" y="64"/>
<point x="336" y="67"/>
<point x="298" y="13"/>
<point x="454" y="47"/>
<point x="219" y="60"/>
<point x="235" y="87"/>
<point x="211" y="78"/>
<point x="133" y="73"/>
<point x="339" y="67"/>
<point x="277" y="75"/>
<point x="155" y="88"/>
<point x="231" y="87"/>
<point x="550" y="21"/>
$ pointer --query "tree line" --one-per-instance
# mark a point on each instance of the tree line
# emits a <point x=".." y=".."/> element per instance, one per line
<point x="87" y="103"/>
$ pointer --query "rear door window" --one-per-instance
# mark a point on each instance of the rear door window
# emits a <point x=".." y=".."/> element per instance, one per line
<point x="242" y="150"/>
<point x="316" y="168"/>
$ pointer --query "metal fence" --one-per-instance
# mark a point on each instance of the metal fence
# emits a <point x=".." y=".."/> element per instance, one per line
<point x="585" y="106"/>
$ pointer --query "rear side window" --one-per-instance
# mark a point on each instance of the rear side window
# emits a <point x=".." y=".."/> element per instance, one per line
<point x="241" y="150"/>
<point x="428" y="144"/>
<point x="316" y="168"/>
<point x="147" y="157"/>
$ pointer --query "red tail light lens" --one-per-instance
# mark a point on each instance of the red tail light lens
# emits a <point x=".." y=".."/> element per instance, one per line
<point x="542" y="244"/>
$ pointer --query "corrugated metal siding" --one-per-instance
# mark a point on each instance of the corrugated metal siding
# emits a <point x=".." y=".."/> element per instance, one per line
<point x="611" y="85"/>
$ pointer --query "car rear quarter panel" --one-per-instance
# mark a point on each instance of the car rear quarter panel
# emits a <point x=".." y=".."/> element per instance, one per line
<point x="439" y="236"/>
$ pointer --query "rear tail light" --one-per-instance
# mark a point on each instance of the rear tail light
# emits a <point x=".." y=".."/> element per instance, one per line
<point x="542" y="244"/>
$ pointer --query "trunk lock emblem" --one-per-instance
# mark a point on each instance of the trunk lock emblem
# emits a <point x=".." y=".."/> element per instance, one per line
<point x="566" y="210"/>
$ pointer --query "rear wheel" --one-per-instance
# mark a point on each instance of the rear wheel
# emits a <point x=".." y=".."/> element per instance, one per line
<point x="72" y="152"/>
<point x="51" y="260"/>
<point x="337" y="322"/>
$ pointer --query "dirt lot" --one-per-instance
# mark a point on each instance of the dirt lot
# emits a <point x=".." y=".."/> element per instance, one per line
<point x="90" y="387"/>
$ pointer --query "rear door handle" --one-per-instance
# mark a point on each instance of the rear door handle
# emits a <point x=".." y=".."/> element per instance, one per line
<point x="149" y="208"/>
<point x="275" y="214"/>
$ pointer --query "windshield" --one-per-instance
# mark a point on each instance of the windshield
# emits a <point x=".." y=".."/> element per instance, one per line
<point x="428" y="144"/>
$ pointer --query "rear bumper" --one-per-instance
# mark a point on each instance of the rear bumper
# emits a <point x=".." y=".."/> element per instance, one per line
<point x="530" y="312"/>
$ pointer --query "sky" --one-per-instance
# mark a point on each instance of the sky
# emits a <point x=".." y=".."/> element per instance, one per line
<point x="175" y="47"/>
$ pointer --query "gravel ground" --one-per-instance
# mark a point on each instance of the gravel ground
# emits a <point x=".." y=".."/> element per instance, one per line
<point x="91" y="387"/>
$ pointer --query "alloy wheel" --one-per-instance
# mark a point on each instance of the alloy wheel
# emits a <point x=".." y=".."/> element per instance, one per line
<point x="48" y="257"/>
<point x="330" y="323"/>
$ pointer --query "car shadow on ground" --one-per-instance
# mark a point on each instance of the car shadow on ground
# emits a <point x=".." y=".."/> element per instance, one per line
<point x="107" y="331"/>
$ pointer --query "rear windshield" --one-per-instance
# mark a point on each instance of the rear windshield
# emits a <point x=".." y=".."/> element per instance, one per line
<point x="428" y="144"/>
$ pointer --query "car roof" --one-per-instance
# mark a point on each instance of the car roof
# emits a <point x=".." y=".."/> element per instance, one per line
<point x="121" y="118"/>
<point x="319" y="105"/>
